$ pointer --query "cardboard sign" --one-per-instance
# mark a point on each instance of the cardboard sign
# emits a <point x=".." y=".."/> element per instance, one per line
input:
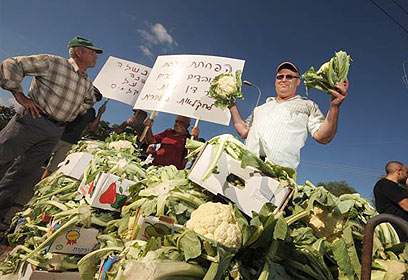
<point x="27" y="272"/>
<point x="121" y="80"/>
<point x="179" y="84"/>
<point x="106" y="191"/>
<point x="75" y="241"/>
<point x="74" y="165"/>
<point x="257" y="191"/>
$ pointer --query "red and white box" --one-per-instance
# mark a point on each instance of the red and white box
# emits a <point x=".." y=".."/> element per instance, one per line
<point x="106" y="191"/>
<point x="257" y="191"/>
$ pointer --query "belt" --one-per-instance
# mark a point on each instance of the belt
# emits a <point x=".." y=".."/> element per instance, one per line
<point x="54" y="121"/>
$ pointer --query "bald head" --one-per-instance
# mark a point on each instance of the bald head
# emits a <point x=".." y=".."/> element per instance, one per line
<point x="393" y="166"/>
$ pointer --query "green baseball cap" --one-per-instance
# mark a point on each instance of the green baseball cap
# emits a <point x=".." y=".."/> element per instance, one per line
<point x="79" y="41"/>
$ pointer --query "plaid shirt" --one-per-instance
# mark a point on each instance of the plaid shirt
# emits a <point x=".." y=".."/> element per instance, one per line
<point x="57" y="86"/>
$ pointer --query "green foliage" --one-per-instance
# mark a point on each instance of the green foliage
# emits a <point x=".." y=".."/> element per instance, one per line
<point x="6" y="113"/>
<point x="337" y="188"/>
<point x="101" y="133"/>
<point x="330" y="73"/>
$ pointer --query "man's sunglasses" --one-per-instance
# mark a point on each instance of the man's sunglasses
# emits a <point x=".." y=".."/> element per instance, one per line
<point x="288" y="77"/>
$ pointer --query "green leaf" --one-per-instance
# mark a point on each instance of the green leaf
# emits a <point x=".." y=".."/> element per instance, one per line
<point x="281" y="229"/>
<point x="343" y="207"/>
<point x="191" y="245"/>
<point x="342" y="259"/>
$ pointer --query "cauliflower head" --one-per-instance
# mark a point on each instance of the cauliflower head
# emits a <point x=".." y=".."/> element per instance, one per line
<point x="216" y="221"/>
<point x="325" y="224"/>
<point x="121" y="144"/>
<point x="226" y="86"/>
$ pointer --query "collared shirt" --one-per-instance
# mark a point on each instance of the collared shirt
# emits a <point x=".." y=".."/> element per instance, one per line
<point x="57" y="87"/>
<point x="278" y="130"/>
<point x="172" y="149"/>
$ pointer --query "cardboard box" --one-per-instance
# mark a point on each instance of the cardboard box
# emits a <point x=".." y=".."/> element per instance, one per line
<point x="153" y="226"/>
<point x="257" y="191"/>
<point x="74" y="165"/>
<point x="27" y="272"/>
<point x="75" y="241"/>
<point x="106" y="191"/>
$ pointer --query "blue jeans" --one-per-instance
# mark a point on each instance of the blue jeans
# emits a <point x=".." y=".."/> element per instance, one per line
<point x="25" y="144"/>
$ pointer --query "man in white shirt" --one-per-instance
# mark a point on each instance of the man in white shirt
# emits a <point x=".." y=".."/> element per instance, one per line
<point x="278" y="129"/>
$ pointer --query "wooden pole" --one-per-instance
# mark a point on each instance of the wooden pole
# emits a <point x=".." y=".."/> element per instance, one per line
<point x="142" y="137"/>
<point x="195" y="125"/>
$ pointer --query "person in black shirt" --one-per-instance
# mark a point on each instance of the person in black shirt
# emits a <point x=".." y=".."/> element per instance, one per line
<point x="72" y="134"/>
<point x="390" y="197"/>
<point x="134" y="125"/>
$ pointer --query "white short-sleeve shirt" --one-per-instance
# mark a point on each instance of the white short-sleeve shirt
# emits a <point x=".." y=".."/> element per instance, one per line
<point x="278" y="130"/>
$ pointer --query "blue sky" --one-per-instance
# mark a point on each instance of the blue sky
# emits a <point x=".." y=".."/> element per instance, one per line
<point x="372" y="124"/>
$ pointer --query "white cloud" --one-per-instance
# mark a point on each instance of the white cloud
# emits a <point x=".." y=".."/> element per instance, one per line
<point x="157" y="35"/>
<point x="13" y="102"/>
<point x="149" y="38"/>
<point x="162" y="35"/>
<point x="9" y="102"/>
<point x="146" y="51"/>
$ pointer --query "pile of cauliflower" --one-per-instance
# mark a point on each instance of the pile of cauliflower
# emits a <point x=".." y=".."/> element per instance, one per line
<point x="216" y="221"/>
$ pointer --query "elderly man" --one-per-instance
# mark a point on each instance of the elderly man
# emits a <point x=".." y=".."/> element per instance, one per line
<point x="389" y="197"/>
<point x="59" y="92"/>
<point x="278" y="129"/>
<point x="172" y="142"/>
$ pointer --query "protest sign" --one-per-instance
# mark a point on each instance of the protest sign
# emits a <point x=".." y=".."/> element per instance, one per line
<point x="179" y="84"/>
<point x="121" y="80"/>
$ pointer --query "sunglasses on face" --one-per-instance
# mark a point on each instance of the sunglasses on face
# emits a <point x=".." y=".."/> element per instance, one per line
<point x="288" y="77"/>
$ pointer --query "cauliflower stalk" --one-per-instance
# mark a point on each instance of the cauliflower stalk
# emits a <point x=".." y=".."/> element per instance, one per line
<point x="225" y="88"/>
<point x="217" y="222"/>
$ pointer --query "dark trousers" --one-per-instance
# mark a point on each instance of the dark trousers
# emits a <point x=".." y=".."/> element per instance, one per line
<point x="25" y="144"/>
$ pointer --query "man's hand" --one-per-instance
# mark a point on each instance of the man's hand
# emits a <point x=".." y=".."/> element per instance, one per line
<point x="130" y="120"/>
<point x="151" y="149"/>
<point x="232" y="105"/>
<point x="195" y="131"/>
<point x="28" y="104"/>
<point x="340" y="94"/>
<point x="148" y="122"/>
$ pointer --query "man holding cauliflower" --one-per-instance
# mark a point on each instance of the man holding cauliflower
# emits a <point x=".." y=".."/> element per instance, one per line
<point x="278" y="129"/>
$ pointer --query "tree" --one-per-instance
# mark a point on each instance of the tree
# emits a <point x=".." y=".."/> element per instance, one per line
<point x="337" y="187"/>
<point x="6" y="113"/>
<point x="103" y="131"/>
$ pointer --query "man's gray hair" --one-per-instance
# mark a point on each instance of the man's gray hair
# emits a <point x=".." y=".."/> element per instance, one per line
<point x="71" y="51"/>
